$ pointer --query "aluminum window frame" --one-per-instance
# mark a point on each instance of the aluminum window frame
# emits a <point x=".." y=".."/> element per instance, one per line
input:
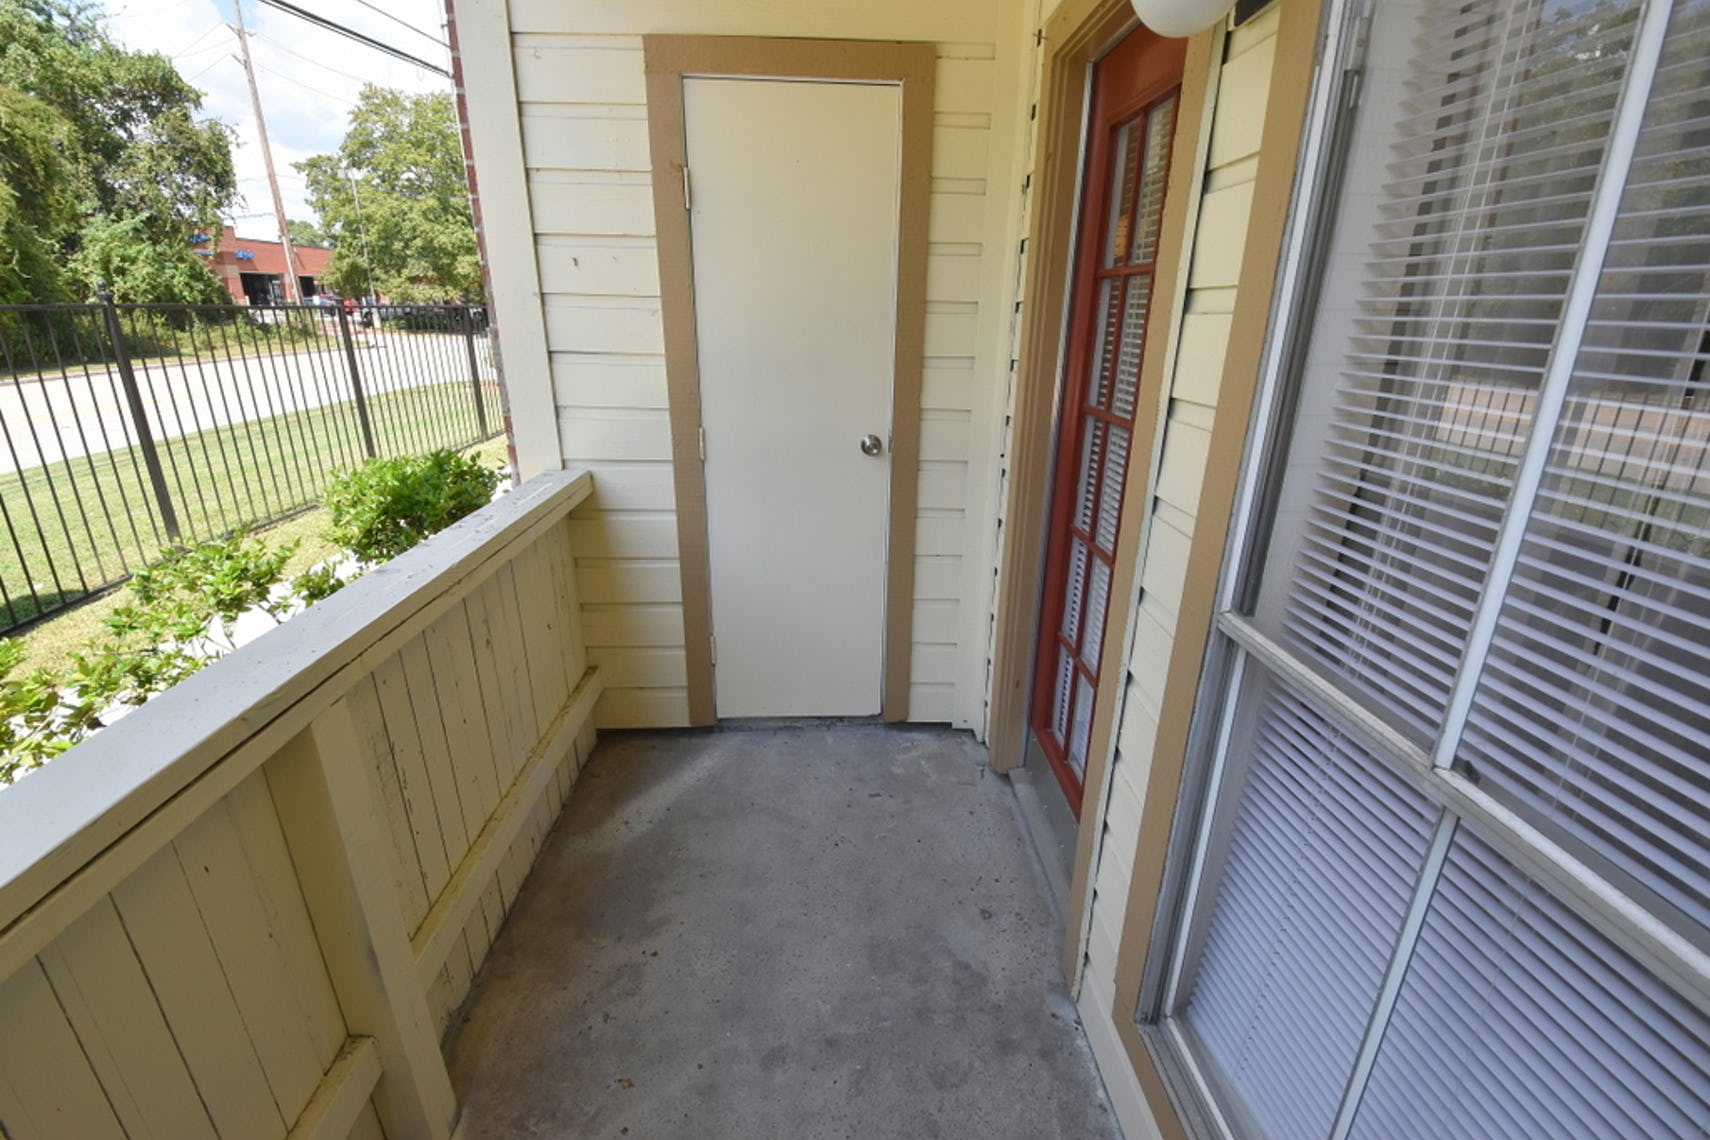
<point x="1239" y="650"/>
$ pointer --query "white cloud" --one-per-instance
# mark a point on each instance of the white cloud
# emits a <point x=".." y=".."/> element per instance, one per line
<point x="309" y="77"/>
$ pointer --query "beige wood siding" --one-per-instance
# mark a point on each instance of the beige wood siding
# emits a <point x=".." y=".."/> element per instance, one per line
<point x="581" y="95"/>
<point x="1180" y="467"/>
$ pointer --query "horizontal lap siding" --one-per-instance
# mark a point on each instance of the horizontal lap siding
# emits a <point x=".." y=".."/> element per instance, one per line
<point x="1216" y="262"/>
<point x="583" y="112"/>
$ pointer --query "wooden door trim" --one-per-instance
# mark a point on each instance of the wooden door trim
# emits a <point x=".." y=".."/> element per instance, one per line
<point x="1074" y="37"/>
<point x="1082" y="321"/>
<point x="669" y="59"/>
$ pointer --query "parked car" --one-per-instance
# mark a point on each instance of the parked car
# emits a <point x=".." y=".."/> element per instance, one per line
<point x="324" y="300"/>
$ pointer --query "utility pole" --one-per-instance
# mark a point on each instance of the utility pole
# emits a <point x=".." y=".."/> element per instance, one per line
<point x="293" y="292"/>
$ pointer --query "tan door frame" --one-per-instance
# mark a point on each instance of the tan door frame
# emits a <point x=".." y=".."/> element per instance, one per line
<point x="911" y="66"/>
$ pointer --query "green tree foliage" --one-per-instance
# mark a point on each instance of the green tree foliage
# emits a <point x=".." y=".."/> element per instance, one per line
<point x="133" y="160"/>
<point x="38" y="209"/>
<point x="138" y="269"/>
<point x="307" y="233"/>
<point x="396" y="188"/>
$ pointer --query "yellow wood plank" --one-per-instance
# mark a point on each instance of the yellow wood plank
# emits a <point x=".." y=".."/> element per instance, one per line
<point x="282" y="895"/>
<point x="344" y="1094"/>
<point x="223" y="885"/>
<point x="458" y="693"/>
<point x="410" y="759"/>
<point x="442" y="774"/>
<point x="166" y="931"/>
<point x="487" y="653"/>
<point x="47" y="1088"/>
<point x="370" y="720"/>
<point x="106" y="997"/>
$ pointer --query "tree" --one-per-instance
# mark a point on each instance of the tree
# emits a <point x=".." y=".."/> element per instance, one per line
<point x="38" y="207"/>
<point x="119" y="253"/>
<point x="395" y="194"/>
<point x="306" y="233"/>
<point x="131" y="150"/>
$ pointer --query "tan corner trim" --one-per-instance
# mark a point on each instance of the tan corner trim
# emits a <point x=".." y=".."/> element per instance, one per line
<point x="1191" y="150"/>
<point x="1074" y="37"/>
<point x="495" y="147"/>
<point x="912" y="66"/>
<point x="1285" y="119"/>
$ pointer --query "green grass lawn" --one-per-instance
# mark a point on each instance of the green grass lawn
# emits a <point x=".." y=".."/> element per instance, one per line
<point x="71" y="527"/>
<point x="51" y="642"/>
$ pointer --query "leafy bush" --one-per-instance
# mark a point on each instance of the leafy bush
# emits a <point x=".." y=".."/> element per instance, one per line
<point x="386" y="506"/>
<point x="319" y="582"/>
<point x="166" y="632"/>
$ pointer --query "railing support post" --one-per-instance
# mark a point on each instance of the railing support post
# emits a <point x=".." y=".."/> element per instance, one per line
<point x="333" y="829"/>
<point x="474" y="369"/>
<point x="139" y="414"/>
<point x="356" y="381"/>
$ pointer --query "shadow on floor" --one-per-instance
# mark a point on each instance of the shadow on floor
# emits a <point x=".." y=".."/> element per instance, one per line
<point x="809" y="931"/>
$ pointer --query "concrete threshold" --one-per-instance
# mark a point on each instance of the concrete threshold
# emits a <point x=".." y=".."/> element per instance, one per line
<point x="809" y="930"/>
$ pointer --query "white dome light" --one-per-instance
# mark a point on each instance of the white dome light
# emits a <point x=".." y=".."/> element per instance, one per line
<point x="1176" y="18"/>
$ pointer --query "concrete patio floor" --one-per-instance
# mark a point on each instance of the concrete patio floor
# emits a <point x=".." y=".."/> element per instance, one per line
<point x="814" y="930"/>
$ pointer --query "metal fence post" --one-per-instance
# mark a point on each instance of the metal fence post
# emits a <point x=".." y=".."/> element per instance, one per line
<point x="474" y="369"/>
<point x="139" y="416"/>
<point x="356" y="380"/>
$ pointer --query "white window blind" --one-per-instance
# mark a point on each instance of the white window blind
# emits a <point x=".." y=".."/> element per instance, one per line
<point x="1594" y="709"/>
<point x="1519" y="1020"/>
<point x="1325" y="848"/>
<point x="1483" y="611"/>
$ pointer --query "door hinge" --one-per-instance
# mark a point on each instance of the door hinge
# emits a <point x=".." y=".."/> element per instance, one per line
<point x="688" y="192"/>
<point x="701" y="442"/>
<point x="712" y="648"/>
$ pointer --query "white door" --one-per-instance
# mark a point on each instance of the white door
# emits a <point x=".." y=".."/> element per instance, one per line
<point x="793" y="209"/>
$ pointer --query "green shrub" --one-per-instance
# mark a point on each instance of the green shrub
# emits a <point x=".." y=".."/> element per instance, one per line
<point x="318" y="582"/>
<point x="386" y="506"/>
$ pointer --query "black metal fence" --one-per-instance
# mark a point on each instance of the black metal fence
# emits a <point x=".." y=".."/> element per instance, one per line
<point x="126" y="429"/>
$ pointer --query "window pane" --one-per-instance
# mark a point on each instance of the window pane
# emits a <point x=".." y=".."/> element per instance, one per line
<point x="1324" y="852"/>
<point x="1593" y="712"/>
<point x="1149" y="212"/>
<point x="1452" y="261"/>
<point x="1518" y="1019"/>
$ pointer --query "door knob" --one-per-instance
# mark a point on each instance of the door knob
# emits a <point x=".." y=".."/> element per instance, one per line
<point x="871" y="445"/>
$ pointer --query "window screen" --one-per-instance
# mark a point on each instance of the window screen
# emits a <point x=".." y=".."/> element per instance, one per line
<point x="1453" y="875"/>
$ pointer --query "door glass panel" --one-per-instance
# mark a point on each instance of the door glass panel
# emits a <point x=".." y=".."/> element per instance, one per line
<point x="1092" y="456"/>
<point x="1110" y="334"/>
<point x="1060" y="706"/>
<point x="1098" y="604"/>
<point x="1124" y="169"/>
<point x="1110" y="499"/>
<point x="1083" y="726"/>
<point x="1074" y="592"/>
<point x="1133" y="340"/>
<point x="1160" y="129"/>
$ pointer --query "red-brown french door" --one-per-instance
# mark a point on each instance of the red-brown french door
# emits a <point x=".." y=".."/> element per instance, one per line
<point x="1136" y="88"/>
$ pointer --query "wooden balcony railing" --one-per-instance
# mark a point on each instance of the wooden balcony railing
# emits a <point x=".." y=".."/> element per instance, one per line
<point x="248" y="909"/>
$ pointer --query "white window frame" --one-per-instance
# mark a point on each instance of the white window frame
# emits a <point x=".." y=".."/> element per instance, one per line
<point x="1238" y="643"/>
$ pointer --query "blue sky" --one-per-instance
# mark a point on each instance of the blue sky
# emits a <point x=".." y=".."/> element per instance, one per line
<point x="309" y="77"/>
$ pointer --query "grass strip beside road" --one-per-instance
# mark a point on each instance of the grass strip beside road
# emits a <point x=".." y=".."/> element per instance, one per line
<point x="74" y="526"/>
<point x="51" y="642"/>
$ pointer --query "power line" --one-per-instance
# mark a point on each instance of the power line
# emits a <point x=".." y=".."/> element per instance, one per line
<point x="402" y="23"/>
<point x="275" y="45"/>
<point x="353" y="34"/>
<point x="314" y="90"/>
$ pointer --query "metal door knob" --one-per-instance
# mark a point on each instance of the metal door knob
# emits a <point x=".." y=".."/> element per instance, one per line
<point x="871" y="445"/>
